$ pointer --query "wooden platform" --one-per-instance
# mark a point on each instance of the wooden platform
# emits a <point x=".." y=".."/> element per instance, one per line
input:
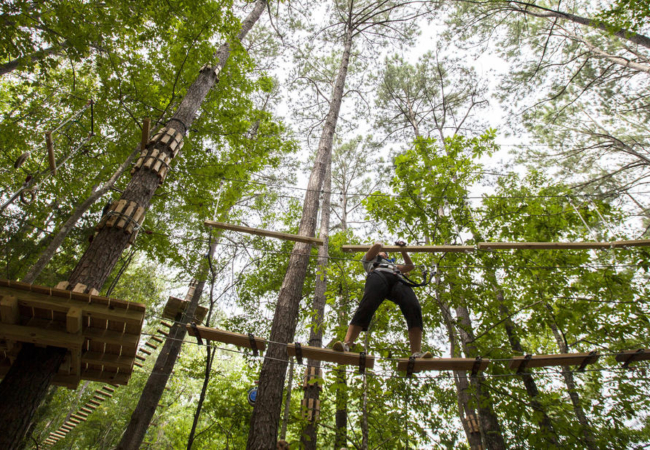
<point x="424" y="364"/>
<point x="227" y="337"/>
<point x="412" y="248"/>
<point x="329" y="355"/>
<point x="563" y="359"/>
<point x="265" y="233"/>
<point x="100" y="333"/>
<point x="175" y="306"/>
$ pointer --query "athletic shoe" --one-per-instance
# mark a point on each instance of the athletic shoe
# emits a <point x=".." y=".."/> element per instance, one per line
<point x="422" y="355"/>
<point x="341" y="346"/>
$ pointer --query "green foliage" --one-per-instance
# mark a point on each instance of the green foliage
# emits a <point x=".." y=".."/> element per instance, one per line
<point x="628" y="15"/>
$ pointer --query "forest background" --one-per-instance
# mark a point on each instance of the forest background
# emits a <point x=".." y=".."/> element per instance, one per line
<point x="460" y="122"/>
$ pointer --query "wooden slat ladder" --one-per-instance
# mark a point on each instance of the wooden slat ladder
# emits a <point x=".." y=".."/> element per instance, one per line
<point x="474" y="365"/>
<point x="631" y="356"/>
<point x="521" y="363"/>
<point x="265" y="233"/>
<point x="329" y="355"/>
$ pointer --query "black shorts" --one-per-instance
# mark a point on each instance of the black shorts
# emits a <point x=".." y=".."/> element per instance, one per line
<point x="387" y="286"/>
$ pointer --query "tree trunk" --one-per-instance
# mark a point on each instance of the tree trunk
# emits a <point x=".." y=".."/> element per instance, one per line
<point x="23" y="389"/>
<point x="155" y="387"/>
<point x="34" y="57"/>
<point x="460" y="377"/>
<point x="587" y="432"/>
<point x="104" y="251"/>
<point x="204" y="389"/>
<point x="69" y="224"/>
<point x="545" y="424"/>
<point x="312" y="390"/>
<point x="287" y="404"/>
<point x="264" y="422"/>
<point x="364" y="402"/>
<point x="489" y="422"/>
<point x="341" y="415"/>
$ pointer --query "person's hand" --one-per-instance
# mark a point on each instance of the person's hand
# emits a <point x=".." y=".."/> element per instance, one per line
<point x="400" y="243"/>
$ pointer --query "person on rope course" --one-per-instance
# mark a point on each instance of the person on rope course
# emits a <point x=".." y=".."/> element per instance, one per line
<point x="387" y="280"/>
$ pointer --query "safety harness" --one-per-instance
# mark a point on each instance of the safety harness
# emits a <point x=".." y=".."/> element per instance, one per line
<point x="390" y="267"/>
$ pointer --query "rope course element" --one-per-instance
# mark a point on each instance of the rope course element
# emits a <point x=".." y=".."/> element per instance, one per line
<point x="27" y="191"/>
<point x="641" y="356"/>
<point x="443" y="266"/>
<point x="421" y="364"/>
<point x="103" y="394"/>
<point x="266" y="233"/>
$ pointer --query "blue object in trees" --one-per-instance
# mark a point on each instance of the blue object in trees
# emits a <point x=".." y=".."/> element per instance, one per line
<point x="252" y="396"/>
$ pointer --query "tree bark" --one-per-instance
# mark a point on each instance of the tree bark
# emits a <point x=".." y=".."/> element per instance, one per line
<point x="545" y="424"/>
<point x="489" y="422"/>
<point x="208" y="269"/>
<point x="23" y="389"/>
<point x="69" y="224"/>
<point x="104" y="251"/>
<point x="34" y="57"/>
<point x="312" y="391"/>
<point x="264" y="422"/>
<point x="287" y="404"/>
<point x="364" y="402"/>
<point x="460" y="377"/>
<point x="587" y="432"/>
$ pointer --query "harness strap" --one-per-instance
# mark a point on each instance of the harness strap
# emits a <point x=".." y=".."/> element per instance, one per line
<point x="404" y="279"/>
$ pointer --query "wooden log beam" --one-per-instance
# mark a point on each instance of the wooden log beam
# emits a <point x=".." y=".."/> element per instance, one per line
<point x="412" y="248"/>
<point x="37" y="299"/>
<point x="111" y="337"/>
<point x="329" y="355"/>
<point x="106" y="359"/>
<point x="424" y="364"/>
<point x="227" y="337"/>
<point x="561" y="245"/>
<point x="543" y="245"/>
<point x="628" y="357"/>
<point x="635" y="243"/>
<point x="564" y="359"/>
<point x="74" y="320"/>
<point x="9" y="310"/>
<point x="41" y="336"/>
<point x="265" y="233"/>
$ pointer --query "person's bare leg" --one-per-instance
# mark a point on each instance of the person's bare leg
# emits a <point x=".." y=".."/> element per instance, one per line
<point x="350" y="337"/>
<point x="415" y="339"/>
<point x="352" y="334"/>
